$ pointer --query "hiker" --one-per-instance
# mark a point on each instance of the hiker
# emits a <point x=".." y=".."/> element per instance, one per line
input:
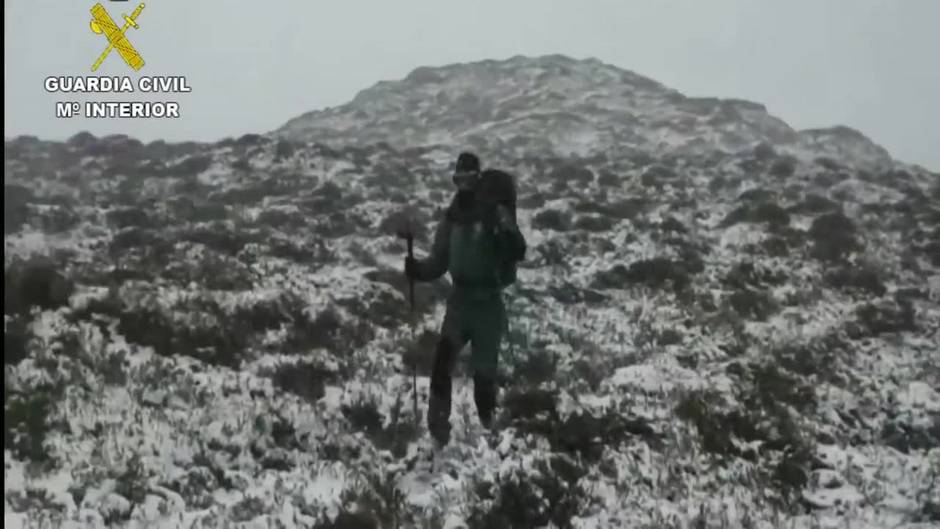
<point x="478" y="243"/>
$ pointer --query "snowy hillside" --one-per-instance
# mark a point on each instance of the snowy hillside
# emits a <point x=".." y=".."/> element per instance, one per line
<point x="564" y="106"/>
<point x="721" y="322"/>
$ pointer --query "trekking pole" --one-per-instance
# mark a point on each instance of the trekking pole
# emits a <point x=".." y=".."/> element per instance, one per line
<point x="409" y="237"/>
<point x="507" y="300"/>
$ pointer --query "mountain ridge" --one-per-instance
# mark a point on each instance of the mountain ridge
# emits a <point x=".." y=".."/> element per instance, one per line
<point x="518" y="101"/>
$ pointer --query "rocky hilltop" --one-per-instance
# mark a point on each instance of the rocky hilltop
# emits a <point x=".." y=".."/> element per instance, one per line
<point x="721" y="321"/>
<point x="555" y="104"/>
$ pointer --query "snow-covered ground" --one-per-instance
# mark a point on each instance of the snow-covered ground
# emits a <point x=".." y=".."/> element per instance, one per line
<point x="219" y="335"/>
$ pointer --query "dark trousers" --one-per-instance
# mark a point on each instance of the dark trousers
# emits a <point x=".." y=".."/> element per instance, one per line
<point x="481" y="323"/>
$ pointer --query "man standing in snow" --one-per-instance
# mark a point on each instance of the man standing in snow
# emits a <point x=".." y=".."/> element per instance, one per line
<point x="478" y="243"/>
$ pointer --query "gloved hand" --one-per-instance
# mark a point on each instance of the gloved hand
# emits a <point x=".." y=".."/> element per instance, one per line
<point x="504" y="217"/>
<point x="411" y="267"/>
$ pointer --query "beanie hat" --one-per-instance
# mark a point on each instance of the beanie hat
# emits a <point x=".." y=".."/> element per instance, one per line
<point x="467" y="161"/>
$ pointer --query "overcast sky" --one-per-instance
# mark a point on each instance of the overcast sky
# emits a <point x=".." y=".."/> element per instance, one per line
<point x="869" y="64"/>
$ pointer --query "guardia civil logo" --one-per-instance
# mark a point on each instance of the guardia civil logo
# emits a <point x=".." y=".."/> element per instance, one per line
<point x="117" y="39"/>
<point x="103" y="24"/>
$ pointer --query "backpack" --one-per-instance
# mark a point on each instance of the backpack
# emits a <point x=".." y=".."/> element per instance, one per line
<point x="498" y="187"/>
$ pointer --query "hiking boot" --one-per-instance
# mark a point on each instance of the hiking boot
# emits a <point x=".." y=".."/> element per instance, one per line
<point x="486" y="419"/>
<point x="484" y="395"/>
<point x="440" y="433"/>
<point x="438" y="424"/>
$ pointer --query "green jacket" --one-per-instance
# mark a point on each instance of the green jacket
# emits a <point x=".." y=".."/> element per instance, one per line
<point x="473" y="248"/>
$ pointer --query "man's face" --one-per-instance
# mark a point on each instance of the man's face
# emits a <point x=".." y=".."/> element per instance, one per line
<point x="466" y="180"/>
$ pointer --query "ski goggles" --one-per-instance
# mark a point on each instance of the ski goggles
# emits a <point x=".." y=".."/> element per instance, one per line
<point x="466" y="179"/>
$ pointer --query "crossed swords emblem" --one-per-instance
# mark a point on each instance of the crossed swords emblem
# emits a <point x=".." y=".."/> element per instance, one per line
<point x="103" y="23"/>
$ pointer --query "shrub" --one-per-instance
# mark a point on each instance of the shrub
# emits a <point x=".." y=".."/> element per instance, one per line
<point x="761" y="213"/>
<point x="530" y="500"/>
<point x="347" y="520"/>
<point x="834" y="237"/>
<point x="197" y="484"/>
<point x="364" y="416"/>
<point x="536" y="367"/>
<point x="34" y="282"/>
<point x="572" y="174"/>
<point x="700" y="409"/>
<point x="131" y="217"/>
<point x="304" y="379"/>
<point x="568" y="294"/>
<point x="16" y="337"/>
<point x="213" y="272"/>
<point x="328" y="191"/>
<point x="284" y="149"/>
<point x="242" y="196"/>
<point x="905" y="436"/>
<point x="753" y="304"/>
<point x="747" y="274"/>
<point x="783" y="167"/>
<point x="26" y="422"/>
<point x="401" y="221"/>
<point x="828" y="163"/>
<point x="656" y="272"/>
<point x="139" y="239"/>
<point x="931" y="250"/>
<point x="587" y="435"/>
<point x="865" y="280"/>
<point x="531" y="201"/>
<point x="552" y="219"/>
<point x="593" y="223"/>
<point x="764" y="395"/>
<point x="427" y="294"/>
<point x="82" y="140"/>
<point x="813" y="204"/>
<point x="282" y="248"/>
<point x="757" y="195"/>
<point x="378" y="307"/>
<point x="873" y="319"/>
<point x="608" y="179"/>
<point x="419" y="354"/>
<point x="673" y="225"/>
<point x="278" y="218"/>
<point x="211" y="342"/>
<point x="532" y="410"/>
<point x="190" y="166"/>
<point x="339" y="224"/>
<point x="764" y="151"/>
<point x="132" y="482"/>
<point x="220" y="237"/>
<point x="775" y="246"/>
<point x="819" y="359"/>
<point x="16" y="200"/>
<point x="657" y="175"/>
<point x="623" y="209"/>
<point x="375" y="503"/>
<point x="329" y="331"/>
<point x="201" y="329"/>
<point x="53" y="218"/>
